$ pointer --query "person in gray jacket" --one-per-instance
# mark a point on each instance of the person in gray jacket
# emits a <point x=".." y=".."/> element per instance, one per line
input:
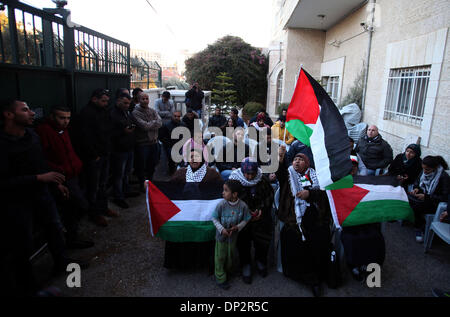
<point x="147" y="122"/>
<point x="375" y="152"/>
<point x="165" y="107"/>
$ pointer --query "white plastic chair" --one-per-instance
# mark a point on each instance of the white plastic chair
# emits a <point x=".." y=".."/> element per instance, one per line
<point x="435" y="226"/>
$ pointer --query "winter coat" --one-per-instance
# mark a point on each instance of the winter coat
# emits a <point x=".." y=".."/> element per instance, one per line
<point x="121" y="140"/>
<point x="279" y="133"/>
<point x="93" y="132"/>
<point x="413" y="170"/>
<point x="375" y="154"/>
<point x="195" y="99"/>
<point x="21" y="160"/>
<point x="147" y="122"/>
<point x="165" y="133"/>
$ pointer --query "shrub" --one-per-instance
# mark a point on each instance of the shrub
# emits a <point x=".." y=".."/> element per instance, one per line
<point x="251" y="108"/>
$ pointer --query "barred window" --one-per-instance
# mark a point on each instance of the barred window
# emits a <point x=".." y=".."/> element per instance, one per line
<point x="406" y="94"/>
<point x="331" y="86"/>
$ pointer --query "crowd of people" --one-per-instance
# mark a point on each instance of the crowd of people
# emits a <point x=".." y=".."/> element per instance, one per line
<point x="66" y="166"/>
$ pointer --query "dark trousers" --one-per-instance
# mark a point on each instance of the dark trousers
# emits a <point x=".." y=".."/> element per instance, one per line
<point x="420" y="209"/>
<point x="261" y="242"/>
<point x="96" y="177"/>
<point x="73" y="208"/>
<point x="147" y="157"/>
<point x="24" y="220"/>
<point x="171" y="164"/>
<point x="121" y="164"/>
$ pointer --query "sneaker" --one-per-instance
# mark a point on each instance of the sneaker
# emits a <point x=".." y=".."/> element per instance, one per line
<point x="99" y="220"/>
<point x="225" y="285"/>
<point x="111" y="213"/>
<point x="419" y="236"/>
<point x="440" y="293"/>
<point x="121" y="203"/>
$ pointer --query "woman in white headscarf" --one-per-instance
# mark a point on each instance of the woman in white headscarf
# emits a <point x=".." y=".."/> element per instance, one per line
<point x="431" y="188"/>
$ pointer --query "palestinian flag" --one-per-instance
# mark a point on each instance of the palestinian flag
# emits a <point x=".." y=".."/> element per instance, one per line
<point x="371" y="199"/>
<point x="182" y="212"/>
<point x="314" y="119"/>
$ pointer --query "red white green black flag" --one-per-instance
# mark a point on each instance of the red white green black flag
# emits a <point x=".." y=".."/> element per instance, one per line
<point x="314" y="119"/>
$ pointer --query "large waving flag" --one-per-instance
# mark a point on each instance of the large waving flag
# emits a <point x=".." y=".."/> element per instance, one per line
<point x="182" y="212"/>
<point x="314" y="119"/>
<point x="371" y="199"/>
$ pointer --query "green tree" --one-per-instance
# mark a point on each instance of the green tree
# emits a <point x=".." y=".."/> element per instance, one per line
<point x="244" y="63"/>
<point x="223" y="96"/>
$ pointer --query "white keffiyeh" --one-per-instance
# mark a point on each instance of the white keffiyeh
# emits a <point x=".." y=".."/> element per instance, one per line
<point x="429" y="182"/>
<point x="197" y="176"/>
<point x="295" y="181"/>
<point x="239" y="176"/>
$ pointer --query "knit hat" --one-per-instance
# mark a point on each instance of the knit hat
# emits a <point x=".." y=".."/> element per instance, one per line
<point x="304" y="158"/>
<point x="415" y="148"/>
<point x="260" y="116"/>
<point x="249" y="166"/>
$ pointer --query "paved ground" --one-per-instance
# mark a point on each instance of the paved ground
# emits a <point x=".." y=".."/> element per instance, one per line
<point x="127" y="261"/>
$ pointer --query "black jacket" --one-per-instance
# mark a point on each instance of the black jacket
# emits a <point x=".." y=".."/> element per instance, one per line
<point x="92" y="132"/>
<point x="195" y="99"/>
<point x="375" y="154"/>
<point x="440" y="193"/>
<point x="165" y="132"/>
<point x="217" y="121"/>
<point x="21" y="159"/>
<point x="121" y="140"/>
<point x="267" y="120"/>
<point x="397" y="167"/>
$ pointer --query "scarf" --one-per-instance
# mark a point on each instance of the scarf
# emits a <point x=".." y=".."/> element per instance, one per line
<point x="372" y="140"/>
<point x="297" y="181"/>
<point x="197" y="176"/>
<point x="239" y="176"/>
<point x="429" y="182"/>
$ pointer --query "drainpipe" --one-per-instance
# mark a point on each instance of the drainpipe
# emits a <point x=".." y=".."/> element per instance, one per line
<point x="370" y="29"/>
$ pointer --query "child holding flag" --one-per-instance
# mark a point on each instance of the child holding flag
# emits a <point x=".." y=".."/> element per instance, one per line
<point x="230" y="216"/>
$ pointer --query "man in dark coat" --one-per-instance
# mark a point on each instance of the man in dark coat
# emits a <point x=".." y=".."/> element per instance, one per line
<point x="123" y="139"/>
<point x="26" y="201"/>
<point x="375" y="152"/>
<point x="93" y="139"/>
<point x="194" y="99"/>
<point x="164" y="136"/>
<point x="218" y="119"/>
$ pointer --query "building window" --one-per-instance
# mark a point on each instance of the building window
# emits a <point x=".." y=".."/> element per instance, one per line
<point x="279" y="89"/>
<point x="331" y="86"/>
<point x="406" y="94"/>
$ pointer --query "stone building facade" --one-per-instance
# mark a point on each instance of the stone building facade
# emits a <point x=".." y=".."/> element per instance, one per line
<point x="408" y="78"/>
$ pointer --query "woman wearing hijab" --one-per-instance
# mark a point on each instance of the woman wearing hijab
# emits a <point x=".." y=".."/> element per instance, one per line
<point x="431" y="188"/>
<point x="187" y="255"/>
<point x="304" y="212"/>
<point x="258" y="194"/>
<point x="407" y="166"/>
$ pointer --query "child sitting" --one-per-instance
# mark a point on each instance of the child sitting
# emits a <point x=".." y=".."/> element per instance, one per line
<point x="231" y="215"/>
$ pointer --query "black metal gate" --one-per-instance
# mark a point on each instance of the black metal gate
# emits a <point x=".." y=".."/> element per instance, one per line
<point x="45" y="60"/>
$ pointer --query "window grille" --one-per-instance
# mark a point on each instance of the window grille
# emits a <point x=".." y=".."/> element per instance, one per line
<point x="406" y="94"/>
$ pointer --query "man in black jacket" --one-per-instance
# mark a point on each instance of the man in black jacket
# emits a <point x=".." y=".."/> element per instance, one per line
<point x="93" y="136"/>
<point x="375" y="152"/>
<point x="218" y="119"/>
<point x="194" y="99"/>
<point x="164" y="136"/>
<point x="26" y="201"/>
<point x="123" y="139"/>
